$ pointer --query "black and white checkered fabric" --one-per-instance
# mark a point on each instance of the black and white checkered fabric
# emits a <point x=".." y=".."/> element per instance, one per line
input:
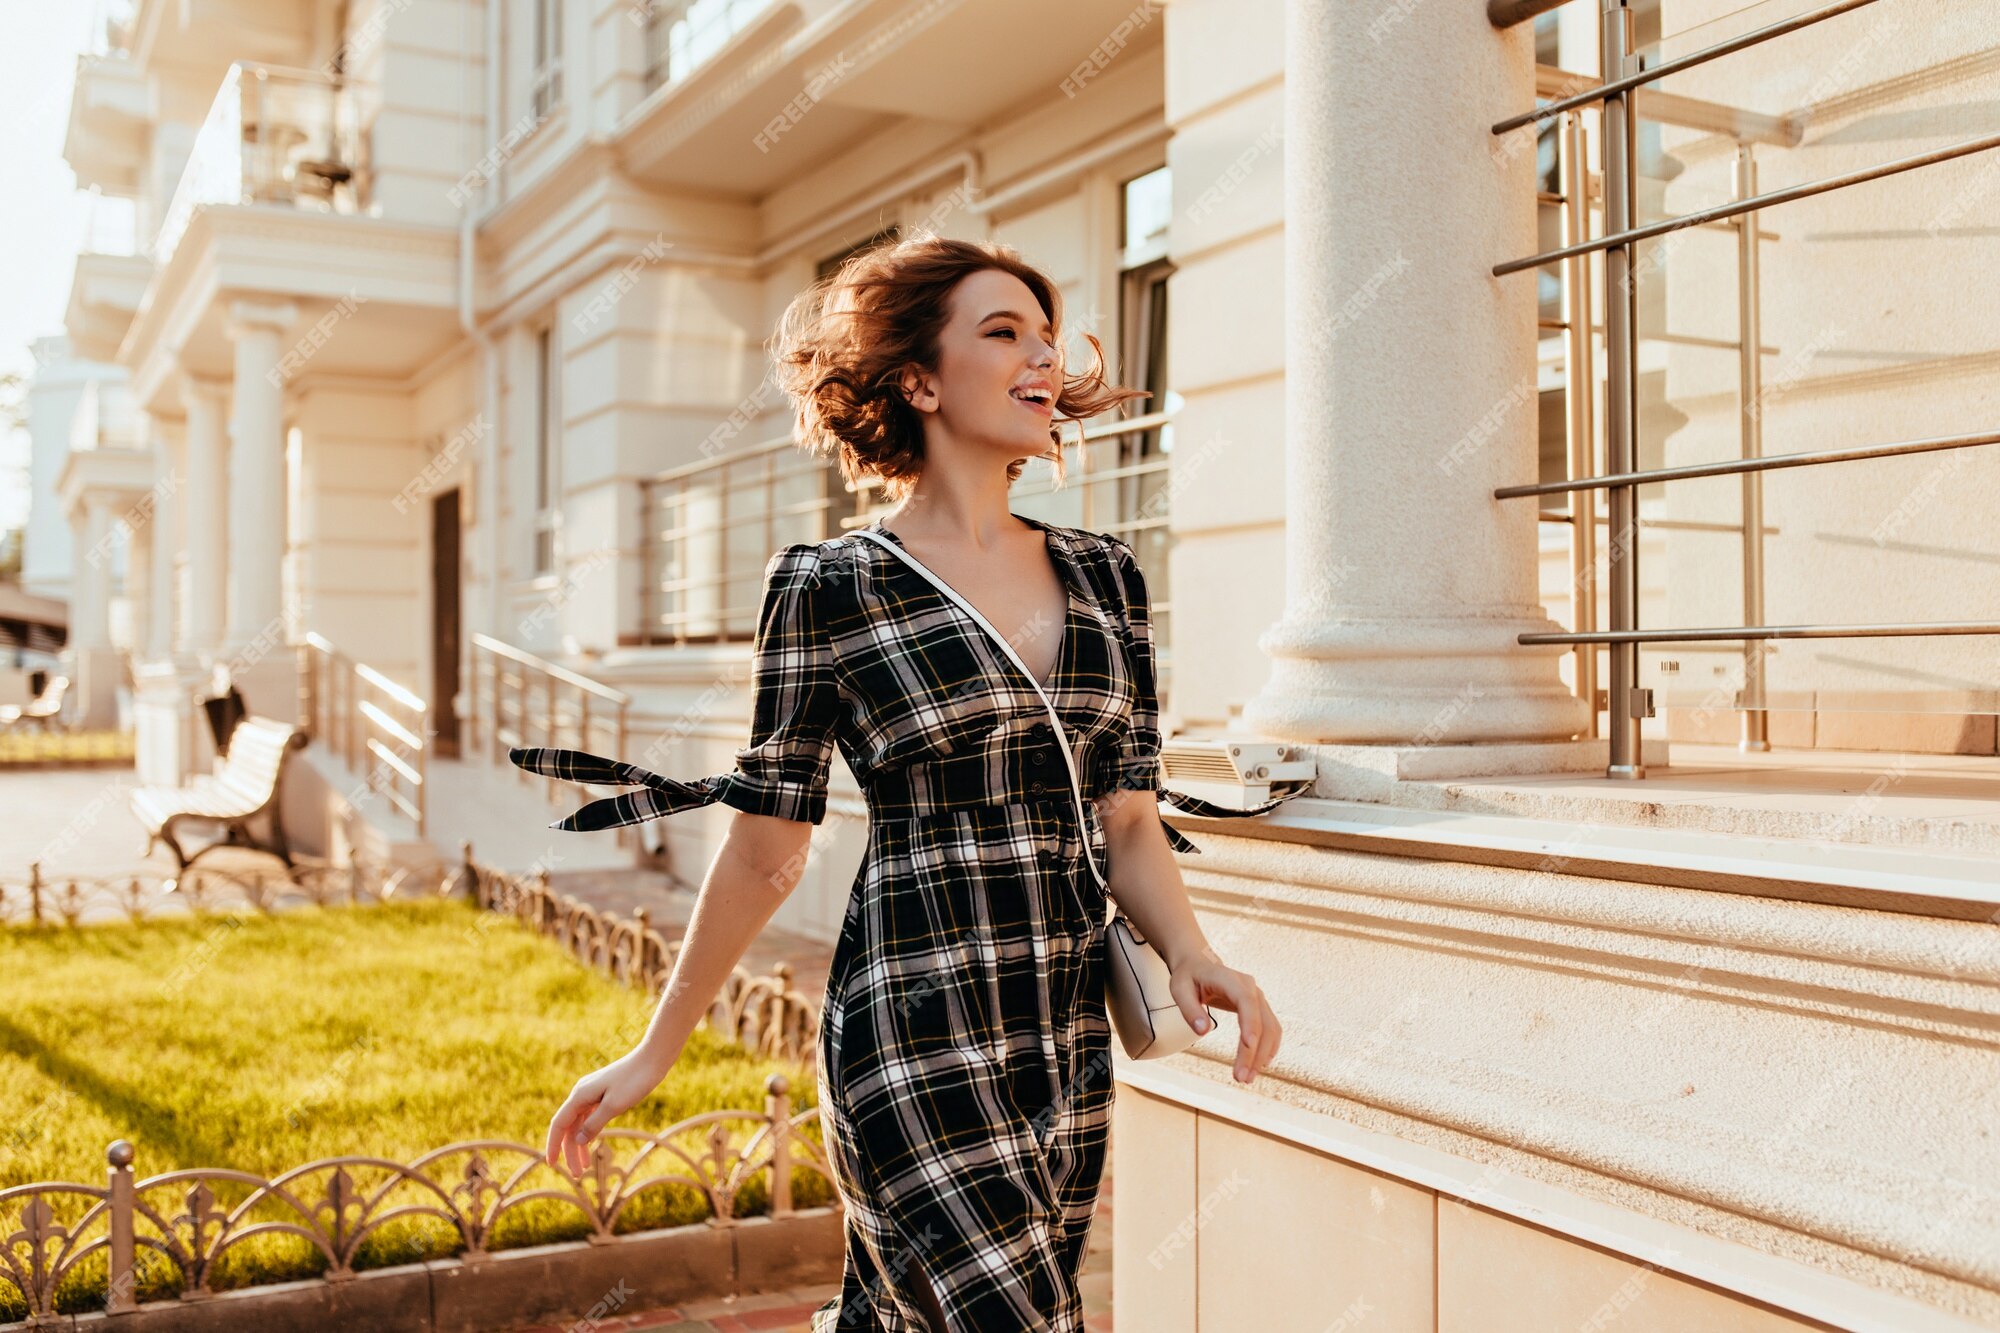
<point x="965" y="1054"/>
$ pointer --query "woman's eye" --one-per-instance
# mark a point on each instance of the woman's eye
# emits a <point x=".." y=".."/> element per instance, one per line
<point x="1008" y="332"/>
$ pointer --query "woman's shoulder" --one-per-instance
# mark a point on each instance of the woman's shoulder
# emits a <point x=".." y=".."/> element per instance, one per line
<point x="1095" y="543"/>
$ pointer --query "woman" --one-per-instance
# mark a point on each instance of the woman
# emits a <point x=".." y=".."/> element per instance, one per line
<point x="964" y="1057"/>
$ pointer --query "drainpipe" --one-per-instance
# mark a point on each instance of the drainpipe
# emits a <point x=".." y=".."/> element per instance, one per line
<point x="472" y="216"/>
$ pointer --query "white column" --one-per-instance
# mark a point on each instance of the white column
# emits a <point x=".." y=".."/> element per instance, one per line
<point x="207" y="510"/>
<point x="139" y="581"/>
<point x="94" y="663"/>
<point x="169" y="484"/>
<point x="1409" y="390"/>
<point x="90" y="575"/>
<point x="256" y="475"/>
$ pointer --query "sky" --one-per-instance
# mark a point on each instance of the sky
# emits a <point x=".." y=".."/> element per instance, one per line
<point x="42" y="216"/>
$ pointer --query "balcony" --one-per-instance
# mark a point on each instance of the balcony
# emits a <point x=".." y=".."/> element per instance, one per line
<point x="683" y="34"/>
<point x="273" y="136"/>
<point x="109" y="115"/>
<point x="110" y="279"/>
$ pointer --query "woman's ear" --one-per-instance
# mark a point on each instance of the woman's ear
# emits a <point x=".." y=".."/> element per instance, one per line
<point x="918" y="390"/>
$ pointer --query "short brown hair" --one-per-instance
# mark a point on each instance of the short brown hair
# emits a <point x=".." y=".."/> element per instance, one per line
<point x="843" y="344"/>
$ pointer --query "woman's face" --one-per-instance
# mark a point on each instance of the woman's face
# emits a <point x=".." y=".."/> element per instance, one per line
<point x="994" y="353"/>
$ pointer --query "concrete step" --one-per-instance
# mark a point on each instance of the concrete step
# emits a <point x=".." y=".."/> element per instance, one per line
<point x="1908" y="833"/>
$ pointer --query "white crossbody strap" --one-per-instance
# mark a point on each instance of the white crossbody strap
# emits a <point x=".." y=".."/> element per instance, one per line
<point x="1062" y="738"/>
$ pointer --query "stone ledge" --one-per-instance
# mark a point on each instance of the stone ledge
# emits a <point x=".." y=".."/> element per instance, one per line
<point x="1810" y="1080"/>
<point x="1907" y="879"/>
<point x="1774" y="1280"/>
<point x="1948" y="804"/>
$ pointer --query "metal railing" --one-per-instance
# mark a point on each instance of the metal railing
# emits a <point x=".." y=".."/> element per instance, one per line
<point x="1127" y="498"/>
<point x="521" y="699"/>
<point x="272" y="135"/>
<point x="708" y="528"/>
<point x="375" y="726"/>
<point x="1627" y="702"/>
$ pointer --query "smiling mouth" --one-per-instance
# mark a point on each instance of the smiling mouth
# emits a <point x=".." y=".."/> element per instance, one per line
<point x="1040" y="406"/>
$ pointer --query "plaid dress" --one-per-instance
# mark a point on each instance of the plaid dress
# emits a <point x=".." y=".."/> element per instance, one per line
<point x="965" y="1055"/>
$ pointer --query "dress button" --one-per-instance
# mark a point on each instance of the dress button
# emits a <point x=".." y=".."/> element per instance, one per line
<point x="1038" y="758"/>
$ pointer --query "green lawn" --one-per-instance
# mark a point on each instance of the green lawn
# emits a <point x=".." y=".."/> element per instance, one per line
<point x="260" y="1043"/>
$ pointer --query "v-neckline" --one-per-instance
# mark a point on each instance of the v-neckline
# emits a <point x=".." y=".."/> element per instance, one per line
<point x="1063" y="575"/>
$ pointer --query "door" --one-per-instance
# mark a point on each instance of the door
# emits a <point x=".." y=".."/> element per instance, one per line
<point x="444" y="623"/>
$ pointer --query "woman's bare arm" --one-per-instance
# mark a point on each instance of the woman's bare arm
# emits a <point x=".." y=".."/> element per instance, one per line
<point x="1145" y="878"/>
<point x="758" y="865"/>
<point x="1146" y="883"/>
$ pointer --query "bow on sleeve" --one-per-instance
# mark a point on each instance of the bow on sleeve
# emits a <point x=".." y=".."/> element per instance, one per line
<point x="1195" y="805"/>
<point x="794" y="714"/>
<point x="656" y="796"/>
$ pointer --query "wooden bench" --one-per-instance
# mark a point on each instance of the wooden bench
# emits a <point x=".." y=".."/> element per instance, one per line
<point x="42" y="711"/>
<point x="244" y="786"/>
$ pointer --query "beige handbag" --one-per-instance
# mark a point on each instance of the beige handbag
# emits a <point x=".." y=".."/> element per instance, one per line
<point x="1144" y="1013"/>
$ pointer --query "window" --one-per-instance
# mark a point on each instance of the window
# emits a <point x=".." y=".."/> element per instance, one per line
<point x="545" y="81"/>
<point x="681" y="34"/>
<point x="548" y="452"/>
<point x="829" y="266"/>
<point x="1147" y="206"/>
<point x="1135" y="462"/>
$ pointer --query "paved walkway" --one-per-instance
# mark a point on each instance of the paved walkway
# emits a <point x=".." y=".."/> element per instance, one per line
<point x="77" y="823"/>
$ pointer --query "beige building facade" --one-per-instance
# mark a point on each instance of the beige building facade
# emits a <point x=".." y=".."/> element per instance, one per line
<point x="445" y="341"/>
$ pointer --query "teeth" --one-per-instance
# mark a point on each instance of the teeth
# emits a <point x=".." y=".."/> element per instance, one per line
<point x="1039" y="395"/>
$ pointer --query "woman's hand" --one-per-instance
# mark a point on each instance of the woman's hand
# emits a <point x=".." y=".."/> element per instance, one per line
<point x="598" y="1099"/>
<point x="1204" y="980"/>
